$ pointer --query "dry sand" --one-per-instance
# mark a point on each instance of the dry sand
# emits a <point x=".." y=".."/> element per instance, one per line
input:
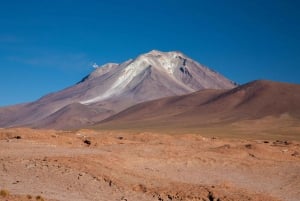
<point x="91" y="165"/>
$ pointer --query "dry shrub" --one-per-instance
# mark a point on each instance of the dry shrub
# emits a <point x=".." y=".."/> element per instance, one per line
<point x="4" y="193"/>
<point x="39" y="198"/>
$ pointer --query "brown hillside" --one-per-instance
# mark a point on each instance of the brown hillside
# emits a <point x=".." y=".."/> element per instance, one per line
<point x="250" y="102"/>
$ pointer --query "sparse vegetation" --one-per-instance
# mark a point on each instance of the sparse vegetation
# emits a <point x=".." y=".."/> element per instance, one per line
<point x="39" y="198"/>
<point x="4" y="193"/>
<point x="29" y="197"/>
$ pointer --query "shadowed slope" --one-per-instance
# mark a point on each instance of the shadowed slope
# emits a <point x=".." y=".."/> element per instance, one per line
<point x="73" y="116"/>
<point x="252" y="101"/>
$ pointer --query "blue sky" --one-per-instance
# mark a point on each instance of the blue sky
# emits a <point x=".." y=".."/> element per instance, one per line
<point x="47" y="45"/>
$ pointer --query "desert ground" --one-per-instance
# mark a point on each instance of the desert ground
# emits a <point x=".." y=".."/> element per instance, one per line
<point x="88" y="165"/>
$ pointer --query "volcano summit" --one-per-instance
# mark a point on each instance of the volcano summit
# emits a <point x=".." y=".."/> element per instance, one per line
<point x="114" y="87"/>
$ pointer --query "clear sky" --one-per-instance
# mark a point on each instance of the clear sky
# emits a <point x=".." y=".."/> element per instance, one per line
<point x="47" y="45"/>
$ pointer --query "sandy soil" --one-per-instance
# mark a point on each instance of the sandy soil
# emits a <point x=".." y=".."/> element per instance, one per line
<point x="90" y="165"/>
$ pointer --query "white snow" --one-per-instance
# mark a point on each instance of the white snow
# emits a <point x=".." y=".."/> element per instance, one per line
<point x="128" y="74"/>
<point x="166" y="62"/>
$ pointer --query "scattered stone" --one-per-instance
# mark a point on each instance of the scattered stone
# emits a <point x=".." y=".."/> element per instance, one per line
<point x="141" y="188"/>
<point x="280" y="142"/>
<point x="210" y="196"/>
<point x="88" y="142"/>
<point x="225" y="146"/>
<point x="296" y="153"/>
<point x="123" y="198"/>
<point x="252" y="155"/>
<point x="16" y="182"/>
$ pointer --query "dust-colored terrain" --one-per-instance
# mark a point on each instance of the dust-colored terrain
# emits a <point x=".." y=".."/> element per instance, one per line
<point x="257" y="110"/>
<point x="90" y="165"/>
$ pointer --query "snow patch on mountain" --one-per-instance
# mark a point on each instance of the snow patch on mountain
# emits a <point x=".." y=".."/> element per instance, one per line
<point x="171" y="65"/>
<point x="127" y="75"/>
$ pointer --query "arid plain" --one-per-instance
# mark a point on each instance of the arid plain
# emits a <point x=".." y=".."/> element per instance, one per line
<point x="115" y="165"/>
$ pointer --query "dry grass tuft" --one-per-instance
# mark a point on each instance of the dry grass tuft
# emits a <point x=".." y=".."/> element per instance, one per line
<point x="4" y="193"/>
<point x="39" y="198"/>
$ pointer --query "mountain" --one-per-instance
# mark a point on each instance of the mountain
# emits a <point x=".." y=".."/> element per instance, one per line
<point x="254" y="102"/>
<point x="114" y="87"/>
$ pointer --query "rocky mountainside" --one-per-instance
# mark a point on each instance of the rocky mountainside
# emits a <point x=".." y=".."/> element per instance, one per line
<point x="114" y="87"/>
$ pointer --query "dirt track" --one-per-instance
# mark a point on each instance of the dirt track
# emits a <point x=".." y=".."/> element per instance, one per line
<point x="89" y="165"/>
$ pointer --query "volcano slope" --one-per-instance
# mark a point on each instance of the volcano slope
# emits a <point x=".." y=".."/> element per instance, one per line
<point x="257" y="110"/>
<point x="89" y="165"/>
<point x="112" y="88"/>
